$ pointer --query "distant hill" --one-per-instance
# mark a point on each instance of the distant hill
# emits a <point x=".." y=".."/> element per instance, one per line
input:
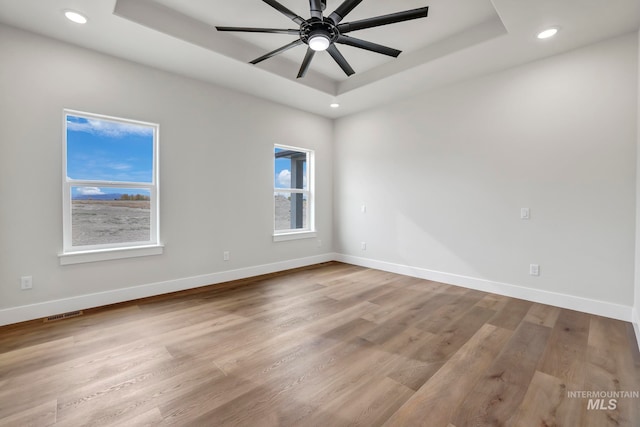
<point x="113" y="196"/>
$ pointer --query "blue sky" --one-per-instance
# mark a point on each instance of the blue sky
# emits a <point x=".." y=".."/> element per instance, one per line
<point x="282" y="178"/>
<point x="103" y="150"/>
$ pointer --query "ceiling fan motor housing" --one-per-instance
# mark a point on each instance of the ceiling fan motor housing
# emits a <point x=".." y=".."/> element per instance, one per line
<point x="316" y="27"/>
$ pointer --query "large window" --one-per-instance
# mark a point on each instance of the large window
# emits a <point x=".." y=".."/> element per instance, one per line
<point x="110" y="183"/>
<point x="293" y="192"/>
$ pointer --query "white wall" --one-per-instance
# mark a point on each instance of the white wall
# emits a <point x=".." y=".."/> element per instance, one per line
<point x="637" y="253"/>
<point x="216" y="172"/>
<point x="444" y="175"/>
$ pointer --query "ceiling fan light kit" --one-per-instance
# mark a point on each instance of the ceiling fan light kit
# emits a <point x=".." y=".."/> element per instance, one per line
<point x="321" y="33"/>
<point x="319" y="42"/>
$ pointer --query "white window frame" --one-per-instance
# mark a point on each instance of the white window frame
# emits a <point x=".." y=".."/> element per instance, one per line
<point x="310" y="230"/>
<point x="90" y="253"/>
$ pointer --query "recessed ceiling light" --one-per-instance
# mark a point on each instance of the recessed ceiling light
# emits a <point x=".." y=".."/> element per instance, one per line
<point x="76" y="17"/>
<point x="549" y="32"/>
<point x="334" y="105"/>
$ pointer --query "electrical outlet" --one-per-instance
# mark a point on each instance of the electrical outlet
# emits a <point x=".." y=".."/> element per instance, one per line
<point x="26" y="283"/>
<point x="363" y="208"/>
<point x="226" y="256"/>
<point x="525" y="213"/>
<point x="319" y="243"/>
<point x="534" y="269"/>
<point x="363" y="246"/>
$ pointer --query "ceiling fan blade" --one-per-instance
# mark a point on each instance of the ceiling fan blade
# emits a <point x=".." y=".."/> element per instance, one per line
<point x="289" y="14"/>
<point x="392" y="18"/>
<point x="306" y="62"/>
<point x="259" y="30"/>
<point x="373" y="47"/>
<point x="342" y="10"/>
<point x="316" y="8"/>
<point x="277" y="51"/>
<point x="335" y="54"/>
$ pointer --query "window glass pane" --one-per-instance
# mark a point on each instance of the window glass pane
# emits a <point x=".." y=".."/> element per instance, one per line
<point x="290" y="211"/>
<point x="105" y="215"/>
<point x="290" y="169"/>
<point x="104" y="150"/>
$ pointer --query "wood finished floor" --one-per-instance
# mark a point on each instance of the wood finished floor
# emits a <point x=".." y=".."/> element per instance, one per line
<point x="333" y="345"/>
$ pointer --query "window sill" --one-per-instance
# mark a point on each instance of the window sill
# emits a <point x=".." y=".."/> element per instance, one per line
<point x="109" y="254"/>
<point x="295" y="235"/>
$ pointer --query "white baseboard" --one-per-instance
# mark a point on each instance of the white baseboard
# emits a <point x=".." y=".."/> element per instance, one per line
<point x="83" y="302"/>
<point x="600" y="308"/>
<point x="636" y="324"/>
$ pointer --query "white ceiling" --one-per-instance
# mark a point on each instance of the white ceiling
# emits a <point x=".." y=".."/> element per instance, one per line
<point x="459" y="39"/>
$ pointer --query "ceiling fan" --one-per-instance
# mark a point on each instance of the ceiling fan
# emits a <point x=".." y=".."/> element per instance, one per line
<point x="321" y="33"/>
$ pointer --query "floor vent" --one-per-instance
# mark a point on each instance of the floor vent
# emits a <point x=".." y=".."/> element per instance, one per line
<point x="63" y="316"/>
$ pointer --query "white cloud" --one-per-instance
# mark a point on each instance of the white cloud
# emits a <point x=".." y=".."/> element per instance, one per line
<point x="120" y="166"/>
<point x="89" y="191"/>
<point x="107" y="128"/>
<point x="284" y="178"/>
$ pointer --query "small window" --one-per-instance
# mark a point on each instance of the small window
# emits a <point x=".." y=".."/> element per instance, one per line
<point x="293" y="190"/>
<point x="110" y="183"/>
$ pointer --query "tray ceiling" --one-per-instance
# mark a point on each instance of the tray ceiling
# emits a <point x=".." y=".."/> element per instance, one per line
<point x="459" y="39"/>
